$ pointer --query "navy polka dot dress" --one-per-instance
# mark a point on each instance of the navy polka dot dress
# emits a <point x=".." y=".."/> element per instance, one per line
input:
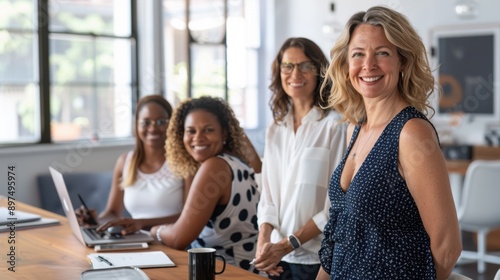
<point x="375" y="230"/>
<point x="232" y="230"/>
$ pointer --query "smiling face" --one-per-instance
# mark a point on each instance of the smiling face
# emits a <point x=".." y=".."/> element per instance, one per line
<point x="297" y="85"/>
<point x="154" y="134"/>
<point x="374" y="63"/>
<point x="203" y="135"/>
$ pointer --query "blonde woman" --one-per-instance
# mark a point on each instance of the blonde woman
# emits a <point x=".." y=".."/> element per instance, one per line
<point x="392" y="214"/>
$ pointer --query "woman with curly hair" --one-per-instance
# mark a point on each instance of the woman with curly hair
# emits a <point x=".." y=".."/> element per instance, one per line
<point x="206" y="141"/>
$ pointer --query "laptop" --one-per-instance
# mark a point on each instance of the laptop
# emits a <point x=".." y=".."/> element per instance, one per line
<point x="7" y="216"/>
<point x="88" y="235"/>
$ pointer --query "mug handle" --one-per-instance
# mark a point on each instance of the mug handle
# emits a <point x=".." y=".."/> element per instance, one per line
<point x="224" y="266"/>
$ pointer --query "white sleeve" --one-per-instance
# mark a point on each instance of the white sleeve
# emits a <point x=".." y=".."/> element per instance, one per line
<point x="267" y="212"/>
<point x="337" y="149"/>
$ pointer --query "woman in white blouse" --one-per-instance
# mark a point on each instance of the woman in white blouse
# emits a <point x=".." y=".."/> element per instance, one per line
<point x="303" y="146"/>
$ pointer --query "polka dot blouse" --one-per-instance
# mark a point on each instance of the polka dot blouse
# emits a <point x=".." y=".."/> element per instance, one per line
<point x="375" y="230"/>
<point x="232" y="228"/>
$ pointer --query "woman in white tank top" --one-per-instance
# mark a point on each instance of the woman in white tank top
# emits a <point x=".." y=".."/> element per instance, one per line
<point x="142" y="181"/>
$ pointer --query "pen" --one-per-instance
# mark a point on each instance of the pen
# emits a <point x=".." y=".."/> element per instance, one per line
<point x="91" y="219"/>
<point x="103" y="259"/>
<point x="252" y="262"/>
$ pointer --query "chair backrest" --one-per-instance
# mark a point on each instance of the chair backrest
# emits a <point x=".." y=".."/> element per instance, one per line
<point x="457" y="276"/>
<point x="497" y="275"/>
<point x="480" y="202"/>
<point x="93" y="186"/>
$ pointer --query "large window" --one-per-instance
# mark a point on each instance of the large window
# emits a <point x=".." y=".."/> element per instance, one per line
<point x="69" y="68"/>
<point x="77" y="54"/>
<point x="19" y="79"/>
<point x="90" y="54"/>
<point x="212" y="49"/>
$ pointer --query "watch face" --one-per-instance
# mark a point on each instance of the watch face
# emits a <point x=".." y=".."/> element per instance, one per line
<point x="293" y="242"/>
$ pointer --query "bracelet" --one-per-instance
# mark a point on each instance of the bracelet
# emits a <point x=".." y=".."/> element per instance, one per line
<point x="158" y="237"/>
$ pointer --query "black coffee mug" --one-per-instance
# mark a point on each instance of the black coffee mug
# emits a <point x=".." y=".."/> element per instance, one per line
<point x="202" y="263"/>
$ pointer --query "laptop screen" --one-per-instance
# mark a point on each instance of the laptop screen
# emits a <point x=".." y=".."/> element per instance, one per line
<point x="67" y="206"/>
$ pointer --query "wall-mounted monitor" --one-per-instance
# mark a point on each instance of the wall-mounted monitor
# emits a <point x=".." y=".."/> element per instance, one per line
<point x="467" y="58"/>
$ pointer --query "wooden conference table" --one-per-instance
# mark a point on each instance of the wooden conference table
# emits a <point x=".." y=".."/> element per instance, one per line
<point x="53" y="252"/>
<point x="478" y="152"/>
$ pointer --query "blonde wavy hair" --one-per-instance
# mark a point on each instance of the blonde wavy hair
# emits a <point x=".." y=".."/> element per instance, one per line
<point x="179" y="160"/>
<point x="416" y="82"/>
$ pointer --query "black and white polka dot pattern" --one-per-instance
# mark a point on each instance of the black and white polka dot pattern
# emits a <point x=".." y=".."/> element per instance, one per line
<point x="375" y="230"/>
<point x="234" y="231"/>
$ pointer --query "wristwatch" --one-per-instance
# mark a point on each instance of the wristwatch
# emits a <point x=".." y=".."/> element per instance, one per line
<point x="294" y="242"/>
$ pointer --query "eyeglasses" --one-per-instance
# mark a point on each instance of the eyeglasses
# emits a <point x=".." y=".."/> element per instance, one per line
<point x="159" y="123"/>
<point x="304" y="67"/>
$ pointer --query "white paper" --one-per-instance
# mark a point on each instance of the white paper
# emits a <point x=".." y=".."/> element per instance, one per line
<point x="138" y="259"/>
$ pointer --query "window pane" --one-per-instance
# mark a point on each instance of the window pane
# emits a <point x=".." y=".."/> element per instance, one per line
<point x="18" y="14"/>
<point x="20" y="113"/>
<point x="71" y="59"/>
<point x="113" y="61"/>
<point x="91" y="76"/>
<point x="101" y="17"/>
<point x="175" y="49"/>
<point x="90" y="113"/>
<point x="82" y="59"/>
<point x="206" y="21"/>
<point x="18" y="56"/>
<point x="19" y="88"/>
<point x="208" y="70"/>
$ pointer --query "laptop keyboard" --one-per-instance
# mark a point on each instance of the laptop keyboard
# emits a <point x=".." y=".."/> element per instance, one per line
<point x="95" y="235"/>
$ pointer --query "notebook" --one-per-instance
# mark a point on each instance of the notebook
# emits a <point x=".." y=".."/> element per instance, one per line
<point x="42" y="222"/>
<point x="140" y="259"/>
<point x="88" y="235"/>
<point x="7" y="216"/>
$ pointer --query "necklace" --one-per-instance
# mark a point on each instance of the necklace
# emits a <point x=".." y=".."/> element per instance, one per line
<point x="362" y="147"/>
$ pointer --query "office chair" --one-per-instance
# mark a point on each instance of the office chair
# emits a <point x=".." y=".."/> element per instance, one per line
<point x="497" y="275"/>
<point x="93" y="186"/>
<point x="479" y="209"/>
<point x="456" y="276"/>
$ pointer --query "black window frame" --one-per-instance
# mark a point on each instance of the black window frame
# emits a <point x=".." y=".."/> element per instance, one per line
<point x="44" y="64"/>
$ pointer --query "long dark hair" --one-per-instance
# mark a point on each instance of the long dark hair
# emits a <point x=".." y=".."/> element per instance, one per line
<point x="138" y="154"/>
<point x="280" y="102"/>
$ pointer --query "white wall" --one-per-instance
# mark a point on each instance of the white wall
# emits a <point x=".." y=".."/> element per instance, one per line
<point x="296" y="18"/>
<point x="305" y="18"/>
<point x="299" y="18"/>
